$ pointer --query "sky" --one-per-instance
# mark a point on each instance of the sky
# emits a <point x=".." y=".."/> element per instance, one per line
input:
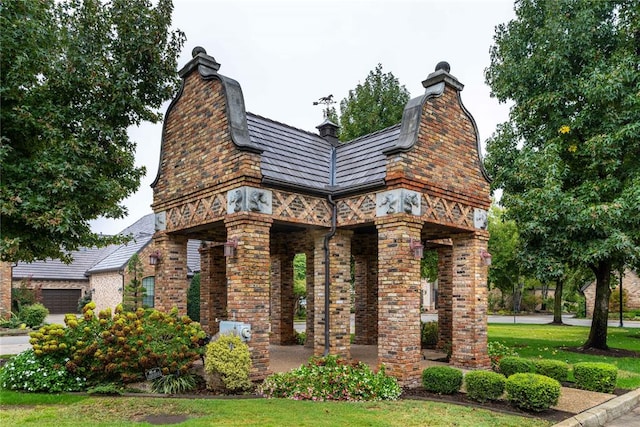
<point x="288" y="54"/>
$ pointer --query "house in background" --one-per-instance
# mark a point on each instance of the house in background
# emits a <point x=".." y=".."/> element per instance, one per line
<point x="630" y="288"/>
<point x="101" y="272"/>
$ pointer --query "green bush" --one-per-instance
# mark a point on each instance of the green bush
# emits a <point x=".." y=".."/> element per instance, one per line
<point x="442" y="379"/>
<point x="300" y="337"/>
<point x="595" y="376"/>
<point x="174" y="383"/>
<point x="497" y="351"/>
<point x="556" y="369"/>
<point x="228" y="362"/>
<point x="122" y="347"/>
<point x="513" y="365"/>
<point x="193" y="298"/>
<point x="331" y="378"/>
<point x="33" y="315"/>
<point x="428" y="334"/>
<point x="27" y="372"/>
<point x="532" y="392"/>
<point x="484" y="385"/>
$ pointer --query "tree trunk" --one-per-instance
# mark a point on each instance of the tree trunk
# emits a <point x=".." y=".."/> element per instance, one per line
<point x="598" y="333"/>
<point x="545" y="292"/>
<point x="557" y="303"/>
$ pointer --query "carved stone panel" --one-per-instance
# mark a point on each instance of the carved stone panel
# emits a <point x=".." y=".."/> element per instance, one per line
<point x="398" y="201"/>
<point x="250" y="199"/>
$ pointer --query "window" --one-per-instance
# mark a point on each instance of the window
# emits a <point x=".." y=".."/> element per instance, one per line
<point x="149" y="285"/>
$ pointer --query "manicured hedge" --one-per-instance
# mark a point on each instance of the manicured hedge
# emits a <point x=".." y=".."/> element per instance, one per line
<point x="513" y="365"/>
<point x="556" y="369"/>
<point x="532" y="392"/>
<point x="595" y="376"/>
<point x="484" y="385"/>
<point x="442" y="379"/>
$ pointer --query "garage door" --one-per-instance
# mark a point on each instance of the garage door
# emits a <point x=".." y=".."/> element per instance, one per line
<point x="61" y="301"/>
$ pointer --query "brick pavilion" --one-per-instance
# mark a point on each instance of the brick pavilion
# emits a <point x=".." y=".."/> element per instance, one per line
<point x="257" y="192"/>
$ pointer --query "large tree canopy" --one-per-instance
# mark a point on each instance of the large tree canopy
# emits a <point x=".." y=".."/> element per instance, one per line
<point x="373" y="105"/>
<point x="568" y="160"/>
<point x="75" y="75"/>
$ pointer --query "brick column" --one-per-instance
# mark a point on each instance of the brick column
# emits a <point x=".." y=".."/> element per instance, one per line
<point x="6" y="281"/>
<point x="399" y="297"/>
<point x="365" y="249"/>
<point x="171" y="282"/>
<point x="213" y="288"/>
<point x="445" y="275"/>
<point x="310" y="329"/>
<point x="282" y="300"/>
<point x="248" y="283"/>
<point x="469" y="307"/>
<point x="339" y="293"/>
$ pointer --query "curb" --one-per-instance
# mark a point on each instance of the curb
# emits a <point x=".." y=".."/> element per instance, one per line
<point x="605" y="412"/>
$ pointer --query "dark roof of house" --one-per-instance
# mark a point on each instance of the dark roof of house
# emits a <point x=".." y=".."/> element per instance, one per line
<point x="87" y="261"/>
<point x="301" y="159"/>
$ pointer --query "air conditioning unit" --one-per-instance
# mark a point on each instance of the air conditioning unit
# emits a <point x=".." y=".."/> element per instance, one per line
<point x="243" y="330"/>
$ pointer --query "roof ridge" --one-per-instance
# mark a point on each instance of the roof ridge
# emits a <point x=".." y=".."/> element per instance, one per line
<point x="284" y="124"/>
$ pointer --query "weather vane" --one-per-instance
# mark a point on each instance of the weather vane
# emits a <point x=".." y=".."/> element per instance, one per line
<point x="327" y="101"/>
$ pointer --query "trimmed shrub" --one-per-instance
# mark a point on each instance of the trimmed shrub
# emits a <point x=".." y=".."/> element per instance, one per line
<point x="442" y="379"/>
<point x="428" y="334"/>
<point x="174" y="383"/>
<point x="595" y="376"/>
<point x="556" y="369"/>
<point x="532" y="392"/>
<point x="484" y="385"/>
<point x="227" y="364"/>
<point x="331" y="378"/>
<point x="33" y="315"/>
<point x="514" y="365"/>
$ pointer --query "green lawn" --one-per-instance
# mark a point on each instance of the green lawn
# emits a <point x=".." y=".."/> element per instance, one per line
<point x="544" y="342"/>
<point x="20" y="409"/>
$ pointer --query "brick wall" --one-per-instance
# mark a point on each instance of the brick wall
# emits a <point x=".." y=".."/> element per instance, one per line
<point x="365" y="251"/>
<point x="107" y="290"/>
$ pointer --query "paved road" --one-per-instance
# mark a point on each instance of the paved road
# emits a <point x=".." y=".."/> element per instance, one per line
<point x="17" y="344"/>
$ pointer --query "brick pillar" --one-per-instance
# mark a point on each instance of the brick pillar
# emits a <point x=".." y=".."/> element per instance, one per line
<point x="469" y="308"/>
<point x="282" y="299"/>
<point x="171" y="280"/>
<point x="310" y="329"/>
<point x="213" y="288"/>
<point x="445" y="275"/>
<point x="399" y="298"/>
<point x="339" y="293"/>
<point x="365" y="249"/>
<point x="248" y="283"/>
<point x="6" y="281"/>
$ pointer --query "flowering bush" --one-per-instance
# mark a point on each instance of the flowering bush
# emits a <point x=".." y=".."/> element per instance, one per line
<point x="122" y="347"/>
<point x="27" y="372"/>
<point x="331" y="378"/>
<point x="497" y="351"/>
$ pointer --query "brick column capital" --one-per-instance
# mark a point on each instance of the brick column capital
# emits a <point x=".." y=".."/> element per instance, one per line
<point x="395" y="219"/>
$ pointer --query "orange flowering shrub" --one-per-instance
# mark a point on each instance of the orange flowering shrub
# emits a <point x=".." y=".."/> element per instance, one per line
<point x="124" y="346"/>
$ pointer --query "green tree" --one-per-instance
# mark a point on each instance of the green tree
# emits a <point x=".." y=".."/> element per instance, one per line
<point x="568" y="159"/>
<point x="193" y="298"/>
<point x="75" y="75"/>
<point x="373" y="105"/>
<point x="503" y="245"/>
<point x="134" y="291"/>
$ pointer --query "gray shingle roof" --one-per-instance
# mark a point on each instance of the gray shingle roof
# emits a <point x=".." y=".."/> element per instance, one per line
<point x="303" y="160"/>
<point x="87" y="261"/>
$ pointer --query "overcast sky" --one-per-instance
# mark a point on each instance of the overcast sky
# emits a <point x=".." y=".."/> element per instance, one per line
<point x="287" y="54"/>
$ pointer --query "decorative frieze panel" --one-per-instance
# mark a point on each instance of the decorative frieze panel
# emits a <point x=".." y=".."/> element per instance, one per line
<point x="301" y="208"/>
<point x="249" y="199"/>
<point x="480" y="219"/>
<point x="357" y="209"/>
<point x="202" y="211"/>
<point x="397" y="201"/>
<point x="441" y="210"/>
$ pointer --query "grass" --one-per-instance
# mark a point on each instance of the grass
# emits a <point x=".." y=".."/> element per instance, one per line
<point x="544" y="342"/>
<point x="72" y="410"/>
